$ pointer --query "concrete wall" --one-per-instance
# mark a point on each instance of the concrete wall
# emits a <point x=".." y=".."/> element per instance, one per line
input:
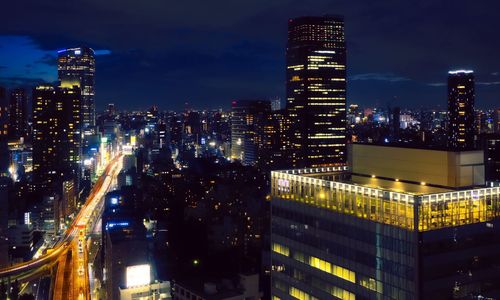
<point x="434" y="167"/>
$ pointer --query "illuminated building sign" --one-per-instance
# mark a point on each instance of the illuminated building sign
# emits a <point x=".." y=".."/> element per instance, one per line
<point x="138" y="275"/>
<point x="27" y="218"/>
<point x="284" y="185"/>
<point x="87" y="162"/>
<point x="127" y="150"/>
<point x="111" y="225"/>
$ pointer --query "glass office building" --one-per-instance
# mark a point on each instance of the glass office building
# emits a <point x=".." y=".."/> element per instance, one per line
<point x="339" y="234"/>
<point x="316" y="91"/>
<point x="76" y="66"/>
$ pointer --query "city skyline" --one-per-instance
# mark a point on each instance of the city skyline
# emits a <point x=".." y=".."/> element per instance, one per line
<point x="249" y="151"/>
<point x="176" y="55"/>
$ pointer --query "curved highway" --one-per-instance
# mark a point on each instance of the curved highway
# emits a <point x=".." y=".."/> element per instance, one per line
<point x="95" y="198"/>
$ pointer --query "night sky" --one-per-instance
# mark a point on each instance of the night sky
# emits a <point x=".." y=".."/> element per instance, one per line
<point x="207" y="53"/>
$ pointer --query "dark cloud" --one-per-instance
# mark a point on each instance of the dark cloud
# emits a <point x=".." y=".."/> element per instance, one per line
<point x="99" y="52"/>
<point x="213" y="51"/>
<point x="25" y="82"/>
<point x="437" y="84"/>
<point x="488" y="83"/>
<point x="379" y="76"/>
<point x="48" y="59"/>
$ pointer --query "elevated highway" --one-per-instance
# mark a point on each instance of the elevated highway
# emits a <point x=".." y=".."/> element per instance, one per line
<point x="69" y="253"/>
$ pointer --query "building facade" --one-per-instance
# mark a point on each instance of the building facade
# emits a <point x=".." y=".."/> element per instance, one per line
<point x="18" y="114"/>
<point x="335" y="236"/>
<point x="56" y="134"/>
<point x="4" y="149"/>
<point x="154" y="291"/>
<point x="316" y="91"/>
<point x="461" y="110"/>
<point x="76" y="66"/>
<point x="247" y="116"/>
<point x="491" y="147"/>
<point x="496" y="121"/>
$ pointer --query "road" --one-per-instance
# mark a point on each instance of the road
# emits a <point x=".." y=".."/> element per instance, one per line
<point x="70" y="252"/>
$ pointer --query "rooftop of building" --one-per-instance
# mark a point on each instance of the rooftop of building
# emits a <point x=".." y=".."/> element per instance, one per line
<point x="413" y="171"/>
<point x="394" y="185"/>
<point x="211" y="288"/>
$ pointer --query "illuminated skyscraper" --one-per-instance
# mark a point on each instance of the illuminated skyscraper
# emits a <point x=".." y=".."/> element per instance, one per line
<point x="76" y="66"/>
<point x="316" y="91"/>
<point x="461" y="109"/>
<point x="18" y="114"/>
<point x="56" y="134"/>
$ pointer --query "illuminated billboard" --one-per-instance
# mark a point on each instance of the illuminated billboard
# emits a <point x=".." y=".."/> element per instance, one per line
<point x="127" y="150"/>
<point x="138" y="275"/>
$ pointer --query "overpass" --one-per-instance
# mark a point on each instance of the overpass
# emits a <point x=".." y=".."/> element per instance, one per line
<point x="69" y="244"/>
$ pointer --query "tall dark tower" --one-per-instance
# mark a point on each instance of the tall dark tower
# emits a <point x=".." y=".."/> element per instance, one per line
<point x="316" y="91"/>
<point x="4" y="150"/>
<point x="18" y="114"/>
<point x="461" y="110"/>
<point x="76" y="66"/>
<point x="56" y="134"/>
<point x="396" y="119"/>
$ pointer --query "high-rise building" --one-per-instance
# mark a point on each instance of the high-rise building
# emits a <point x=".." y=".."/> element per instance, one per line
<point x="18" y="114"/>
<point x="51" y="215"/>
<point x="461" y="110"/>
<point x="4" y="150"/>
<point x="176" y="131"/>
<point x="270" y="140"/>
<point x="5" y="187"/>
<point x="491" y="147"/>
<point x="496" y="120"/>
<point x="5" y="182"/>
<point x="276" y="104"/>
<point x="400" y="224"/>
<point x="68" y="198"/>
<point x="162" y="135"/>
<point x="247" y="116"/>
<point x="395" y="120"/>
<point x="111" y="110"/>
<point x="316" y="91"/>
<point x="76" y="66"/>
<point x="56" y="134"/>
<point x="124" y="239"/>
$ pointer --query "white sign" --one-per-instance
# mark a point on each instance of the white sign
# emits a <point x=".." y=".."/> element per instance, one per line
<point x="138" y="275"/>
